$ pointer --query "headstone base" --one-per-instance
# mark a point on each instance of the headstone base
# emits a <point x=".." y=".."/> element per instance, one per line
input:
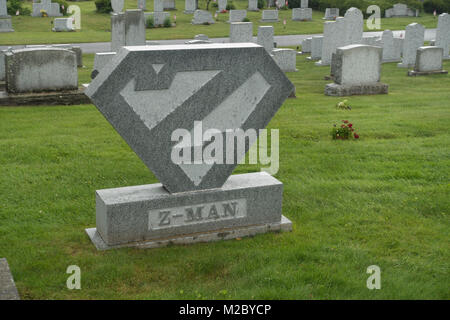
<point x="149" y="216"/>
<point x="226" y="234"/>
<point x="6" y="24"/>
<point x="320" y="63"/>
<point x="8" y="290"/>
<point x="405" y="65"/>
<point x="417" y="73"/>
<point x="338" y="90"/>
<point x="312" y="58"/>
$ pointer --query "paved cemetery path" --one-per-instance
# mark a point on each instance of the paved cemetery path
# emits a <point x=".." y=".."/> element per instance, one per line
<point x="282" y="41"/>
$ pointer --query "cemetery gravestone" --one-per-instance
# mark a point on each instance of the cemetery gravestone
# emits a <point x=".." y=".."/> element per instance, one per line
<point x="127" y="29"/>
<point x="169" y="5"/>
<point x="160" y="90"/>
<point x="5" y="19"/>
<point x="428" y="61"/>
<point x="190" y="6"/>
<point x="301" y="14"/>
<point x="370" y="40"/>
<point x="241" y="32"/>
<point x="270" y="16"/>
<point x="142" y="4"/>
<point x="391" y="47"/>
<point x="286" y="59"/>
<point x="158" y="5"/>
<point x="265" y="37"/>
<point x="158" y="17"/>
<point x="222" y="5"/>
<point x="52" y="9"/>
<point x="8" y="290"/>
<point x="202" y="17"/>
<point x="101" y="59"/>
<point x="331" y="13"/>
<point x="316" y="48"/>
<point x="357" y="71"/>
<point x="63" y="25"/>
<point x="237" y="15"/>
<point x="41" y="69"/>
<point x="414" y="38"/>
<point x="117" y="5"/>
<point x="334" y="36"/>
<point x="354" y="24"/>
<point x="252" y="5"/>
<point x="443" y="34"/>
<point x="306" y="46"/>
<point x="304" y="4"/>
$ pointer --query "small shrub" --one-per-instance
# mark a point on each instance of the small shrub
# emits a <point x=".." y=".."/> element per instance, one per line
<point x="103" y="6"/>
<point x="63" y="5"/>
<point x="150" y="23"/>
<point x="344" y="132"/>
<point x="230" y="6"/>
<point x="246" y="19"/>
<point x="167" y="23"/>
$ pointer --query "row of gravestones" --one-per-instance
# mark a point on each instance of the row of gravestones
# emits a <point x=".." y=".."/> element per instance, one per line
<point x="356" y="60"/>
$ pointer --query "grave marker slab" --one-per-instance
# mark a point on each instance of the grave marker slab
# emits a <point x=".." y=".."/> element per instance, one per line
<point x="147" y="93"/>
<point x="52" y="9"/>
<point x="142" y="4"/>
<point x="304" y="4"/>
<point x="331" y="13"/>
<point x="316" y="48"/>
<point x="117" y="5"/>
<point x="414" y="38"/>
<point x="391" y="47"/>
<point x="127" y="29"/>
<point x="158" y="17"/>
<point x="8" y="290"/>
<point x="269" y="16"/>
<point x="301" y="14"/>
<point x="63" y="25"/>
<point x="237" y="15"/>
<point x="169" y="5"/>
<point x="306" y="46"/>
<point x="428" y="61"/>
<point x="190" y="6"/>
<point x="158" y="5"/>
<point x="356" y="71"/>
<point x="443" y="34"/>
<point x="334" y="36"/>
<point x="252" y="5"/>
<point x="265" y="37"/>
<point x="41" y="69"/>
<point x="222" y="5"/>
<point x="5" y="19"/>
<point x="202" y="17"/>
<point x="354" y="24"/>
<point x="241" y="32"/>
<point x="286" y="59"/>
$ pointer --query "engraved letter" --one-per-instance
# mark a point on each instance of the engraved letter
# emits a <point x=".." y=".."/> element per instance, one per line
<point x="227" y="209"/>
<point x="164" y="218"/>
<point x="190" y="216"/>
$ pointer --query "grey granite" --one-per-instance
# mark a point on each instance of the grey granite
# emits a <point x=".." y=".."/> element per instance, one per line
<point x="304" y="4"/>
<point x="41" y="69"/>
<point x="117" y="5"/>
<point x="241" y="32"/>
<point x="63" y="25"/>
<point x="392" y="50"/>
<point x="252" y="5"/>
<point x="149" y="212"/>
<point x="316" y="48"/>
<point x="158" y="17"/>
<point x="169" y="5"/>
<point x="202" y="17"/>
<point x="286" y="59"/>
<point x="237" y="15"/>
<point x="134" y="28"/>
<point x="428" y="61"/>
<point x="301" y="14"/>
<point x="158" y="5"/>
<point x="356" y="70"/>
<point x="52" y="9"/>
<point x="142" y="4"/>
<point x="100" y="61"/>
<point x="6" y="24"/>
<point x="222" y="5"/>
<point x="265" y="37"/>
<point x="334" y="36"/>
<point x="306" y="45"/>
<point x="443" y="34"/>
<point x="3" y="9"/>
<point x="331" y="13"/>
<point x="354" y="25"/>
<point x="190" y="6"/>
<point x="8" y="290"/>
<point x="414" y="38"/>
<point x="148" y="92"/>
<point x="401" y="10"/>
<point x="270" y="16"/>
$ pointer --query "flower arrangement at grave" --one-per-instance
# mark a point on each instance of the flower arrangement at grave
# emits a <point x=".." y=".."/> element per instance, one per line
<point x="343" y="105"/>
<point x="44" y="13"/>
<point x="344" y="132"/>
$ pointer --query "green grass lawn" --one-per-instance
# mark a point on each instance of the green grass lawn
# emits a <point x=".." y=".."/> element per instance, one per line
<point x="382" y="199"/>
<point x="97" y="27"/>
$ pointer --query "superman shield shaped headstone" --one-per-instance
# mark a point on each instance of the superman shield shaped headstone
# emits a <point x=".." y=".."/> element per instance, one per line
<point x="161" y="100"/>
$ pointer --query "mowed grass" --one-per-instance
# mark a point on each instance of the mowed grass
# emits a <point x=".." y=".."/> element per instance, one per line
<point x="97" y="27"/>
<point x="380" y="200"/>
